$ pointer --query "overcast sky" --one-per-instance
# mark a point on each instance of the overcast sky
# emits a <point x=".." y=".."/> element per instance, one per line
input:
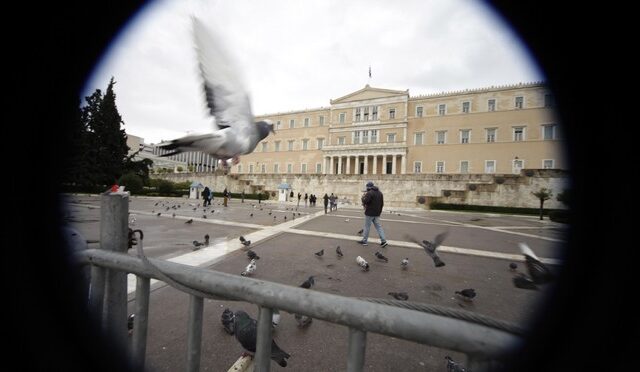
<point x="296" y="54"/>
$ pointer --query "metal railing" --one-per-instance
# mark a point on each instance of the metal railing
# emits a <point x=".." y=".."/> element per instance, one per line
<point x="482" y="344"/>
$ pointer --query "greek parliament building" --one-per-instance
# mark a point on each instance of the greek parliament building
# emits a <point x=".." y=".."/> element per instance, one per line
<point x="376" y="131"/>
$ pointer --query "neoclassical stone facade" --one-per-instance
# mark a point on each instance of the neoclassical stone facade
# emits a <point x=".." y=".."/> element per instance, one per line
<point x="374" y="131"/>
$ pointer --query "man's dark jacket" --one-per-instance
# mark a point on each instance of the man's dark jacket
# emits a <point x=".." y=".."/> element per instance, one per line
<point x="373" y="202"/>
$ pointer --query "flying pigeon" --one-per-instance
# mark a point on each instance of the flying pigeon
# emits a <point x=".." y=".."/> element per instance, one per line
<point x="303" y="320"/>
<point x="308" y="283"/>
<point x="320" y="253"/>
<point x="250" y="269"/>
<point x="364" y="264"/>
<point x="234" y="133"/>
<point x="190" y="221"/>
<point x="431" y="247"/>
<point x="227" y="319"/>
<point x="467" y="294"/>
<point x="339" y="251"/>
<point x="537" y="270"/>
<point x="524" y="282"/>
<point x="246" y="331"/>
<point x="381" y="257"/>
<point x="401" y="296"/>
<point x="252" y="255"/>
<point x="244" y="241"/>
<point x="453" y="366"/>
<point x="404" y="263"/>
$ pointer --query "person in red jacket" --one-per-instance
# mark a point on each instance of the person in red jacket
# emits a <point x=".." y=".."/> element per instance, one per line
<point x="372" y="201"/>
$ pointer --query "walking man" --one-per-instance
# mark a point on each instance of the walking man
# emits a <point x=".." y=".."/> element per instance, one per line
<point x="372" y="201"/>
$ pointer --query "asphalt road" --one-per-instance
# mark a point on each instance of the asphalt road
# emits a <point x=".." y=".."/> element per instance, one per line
<point x="287" y="257"/>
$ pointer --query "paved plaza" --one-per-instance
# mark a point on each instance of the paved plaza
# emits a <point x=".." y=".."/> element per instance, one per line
<point x="477" y="253"/>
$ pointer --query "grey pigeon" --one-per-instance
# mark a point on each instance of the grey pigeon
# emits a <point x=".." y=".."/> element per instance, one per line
<point x="246" y="331"/>
<point x="252" y="255"/>
<point x="319" y="253"/>
<point x="308" y="283"/>
<point x="404" y="263"/>
<point x="455" y="367"/>
<point x="431" y="247"/>
<point x="234" y="133"/>
<point x="401" y="296"/>
<point x="537" y="270"/>
<point x="513" y="266"/>
<point x="197" y="245"/>
<point x="227" y="320"/>
<point x="190" y="221"/>
<point x="381" y="257"/>
<point x="467" y="294"/>
<point x="244" y="241"/>
<point x="360" y="232"/>
<point x="339" y="251"/>
<point x="303" y="320"/>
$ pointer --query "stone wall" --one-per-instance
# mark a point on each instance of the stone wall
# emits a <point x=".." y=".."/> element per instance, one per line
<point x="409" y="190"/>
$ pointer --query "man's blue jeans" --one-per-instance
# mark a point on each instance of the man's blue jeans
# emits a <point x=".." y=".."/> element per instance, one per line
<point x="367" y="225"/>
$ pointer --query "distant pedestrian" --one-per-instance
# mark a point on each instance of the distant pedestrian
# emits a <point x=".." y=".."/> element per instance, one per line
<point x="259" y="198"/>
<point x="332" y="202"/>
<point x="291" y="194"/>
<point x="242" y="196"/>
<point x="372" y="201"/>
<point x="325" y="198"/>
<point x="225" y="195"/>
<point x="299" y="197"/>
<point x="205" y="196"/>
<point x="306" y="198"/>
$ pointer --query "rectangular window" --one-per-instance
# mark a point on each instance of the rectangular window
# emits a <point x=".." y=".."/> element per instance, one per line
<point x="305" y="144"/>
<point x="264" y="147"/>
<point x="439" y="167"/>
<point x="292" y="123"/>
<point x="465" y="135"/>
<point x="306" y="122"/>
<point x="320" y="143"/>
<point x="341" y="118"/>
<point x="356" y="137"/>
<point x="290" y="145"/>
<point x="239" y="168"/>
<point x="519" y="102"/>
<point x="250" y="168"/>
<point x="392" y="113"/>
<point x="264" y="168"/>
<point x="464" y="166"/>
<point x="391" y="137"/>
<point x="321" y="120"/>
<point x="358" y="112"/>
<point x="491" y="105"/>
<point x="491" y="135"/>
<point x="366" y="114"/>
<point x="548" y="132"/>
<point x="374" y="136"/>
<point x="548" y="100"/>
<point x="278" y="123"/>
<point x="418" y="138"/>
<point x="547" y="164"/>
<point x="466" y="107"/>
<point x="441" y="137"/>
<point x="374" y="113"/>
<point x="341" y="140"/>
<point x="419" y="111"/>
<point x="277" y="143"/>
<point x="289" y="168"/>
<point x="303" y="168"/>
<point x="517" y="166"/>
<point x="518" y="134"/>
<point x="490" y="166"/>
<point x="318" y="167"/>
<point x="417" y="167"/>
<point x="276" y="168"/>
<point x="365" y="136"/>
<point x="442" y="109"/>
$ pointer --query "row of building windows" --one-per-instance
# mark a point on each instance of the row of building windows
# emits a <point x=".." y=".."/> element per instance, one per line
<point x="370" y="113"/>
<point x="464" y="166"/>
<point x="549" y="132"/>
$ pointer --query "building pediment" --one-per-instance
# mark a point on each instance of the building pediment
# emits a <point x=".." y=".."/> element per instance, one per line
<point x="370" y="93"/>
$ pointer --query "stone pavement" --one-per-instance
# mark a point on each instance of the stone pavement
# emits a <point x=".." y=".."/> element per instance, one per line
<point x="477" y="253"/>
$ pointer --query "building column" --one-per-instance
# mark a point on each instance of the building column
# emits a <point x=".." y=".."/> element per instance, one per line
<point x="393" y="164"/>
<point x="331" y="164"/>
<point x="403" y="167"/>
<point x="366" y="164"/>
<point x="384" y="164"/>
<point x="375" y="164"/>
<point x="339" y="164"/>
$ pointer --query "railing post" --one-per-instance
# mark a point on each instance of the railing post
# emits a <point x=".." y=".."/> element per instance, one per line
<point x="140" y="322"/>
<point x="357" y="346"/>
<point x="194" y="333"/>
<point x="114" y="210"/>
<point x="263" y="342"/>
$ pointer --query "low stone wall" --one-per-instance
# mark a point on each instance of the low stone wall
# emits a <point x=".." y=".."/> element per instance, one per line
<point x="409" y="190"/>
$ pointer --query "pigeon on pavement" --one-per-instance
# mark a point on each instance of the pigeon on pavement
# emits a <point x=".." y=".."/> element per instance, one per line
<point x="190" y="221"/>
<point x="467" y="294"/>
<point x="431" y="247"/>
<point x="513" y="266"/>
<point x="339" y="251"/>
<point x="380" y="257"/>
<point x="250" y="269"/>
<point x="244" y="241"/>
<point x="453" y="366"/>
<point x="360" y="232"/>
<point x="537" y="270"/>
<point x="227" y="319"/>
<point x="308" y="283"/>
<point x="404" y="263"/>
<point x="363" y="263"/>
<point x="246" y="331"/>
<point x="401" y="296"/>
<point x="252" y="255"/>
<point x="320" y="253"/>
<point x="234" y="133"/>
